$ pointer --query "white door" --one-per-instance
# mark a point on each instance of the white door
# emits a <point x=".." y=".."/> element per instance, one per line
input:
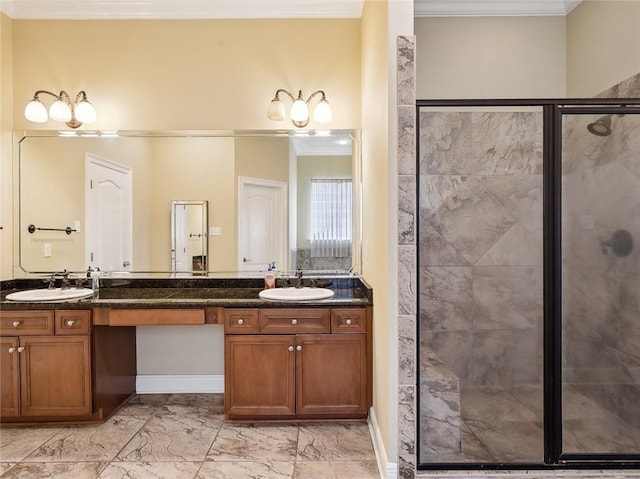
<point x="262" y="228"/>
<point x="180" y="225"/>
<point x="108" y="212"/>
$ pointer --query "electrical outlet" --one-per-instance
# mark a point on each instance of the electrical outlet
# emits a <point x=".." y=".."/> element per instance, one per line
<point x="215" y="231"/>
<point x="47" y="250"/>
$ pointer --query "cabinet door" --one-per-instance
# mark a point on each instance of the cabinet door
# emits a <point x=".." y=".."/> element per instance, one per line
<point x="55" y="376"/>
<point x="9" y="383"/>
<point x="259" y="375"/>
<point x="331" y="374"/>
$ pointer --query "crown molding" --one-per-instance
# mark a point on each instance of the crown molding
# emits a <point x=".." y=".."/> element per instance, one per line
<point x="179" y="9"/>
<point x="493" y="8"/>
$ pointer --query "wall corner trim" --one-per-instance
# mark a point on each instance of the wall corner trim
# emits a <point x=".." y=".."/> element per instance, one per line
<point x="179" y="383"/>
<point x="388" y="470"/>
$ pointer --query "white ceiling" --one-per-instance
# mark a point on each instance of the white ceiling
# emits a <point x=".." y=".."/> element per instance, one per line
<point x="478" y="8"/>
<point x="127" y="9"/>
<point x="184" y="9"/>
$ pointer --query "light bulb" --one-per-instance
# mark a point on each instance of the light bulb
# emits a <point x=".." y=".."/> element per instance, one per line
<point x="60" y="111"/>
<point x="276" y="110"/>
<point x="299" y="111"/>
<point x="36" y="112"/>
<point x="85" y="112"/>
<point x="322" y="112"/>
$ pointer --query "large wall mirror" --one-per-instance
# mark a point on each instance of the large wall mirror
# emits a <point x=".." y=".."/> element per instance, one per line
<point x="104" y="199"/>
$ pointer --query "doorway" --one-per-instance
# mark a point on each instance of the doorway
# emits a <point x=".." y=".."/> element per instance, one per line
<point x="262" y="226"/>
<point x="108" y="210"/>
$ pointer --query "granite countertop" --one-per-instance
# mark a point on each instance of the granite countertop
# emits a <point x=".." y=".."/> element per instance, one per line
<point x="189" y="293"/>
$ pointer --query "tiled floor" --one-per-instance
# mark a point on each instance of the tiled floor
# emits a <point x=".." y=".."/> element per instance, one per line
<point x="183" y="436"/>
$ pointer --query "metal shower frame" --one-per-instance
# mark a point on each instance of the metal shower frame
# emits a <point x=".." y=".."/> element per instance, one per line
<point x="552" y="111"/>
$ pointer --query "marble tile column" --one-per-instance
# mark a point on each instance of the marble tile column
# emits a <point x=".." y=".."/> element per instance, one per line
<point x="407" y="258"/>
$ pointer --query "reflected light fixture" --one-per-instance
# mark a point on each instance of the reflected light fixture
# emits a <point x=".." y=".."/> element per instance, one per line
<point x="299" y="112"/>
<point x="73" y="114"/>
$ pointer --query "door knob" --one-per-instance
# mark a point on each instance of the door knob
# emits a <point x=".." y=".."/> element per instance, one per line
<point x="20" y="349"/>
<point x="290" y="348"/>
<point x="13" y="349"/>
<point x="294" y="321"/>
<point x="15" y="324"/>
<point x="298" y="348"/>
<point x="70" y="322"/>
<point x="241" y="322"/>
<point x="348" y="321"/>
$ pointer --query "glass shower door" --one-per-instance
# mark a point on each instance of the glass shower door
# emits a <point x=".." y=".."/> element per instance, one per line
<point x="481" y="285"/>
<point x="600" y="283"/>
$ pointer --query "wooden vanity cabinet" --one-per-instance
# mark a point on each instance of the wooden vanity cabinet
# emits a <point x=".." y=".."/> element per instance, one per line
<point x="298" y="364"/>
<point x="46" y="364"/>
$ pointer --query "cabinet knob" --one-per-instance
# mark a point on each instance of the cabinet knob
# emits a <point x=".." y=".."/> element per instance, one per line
<point x="298" y="348"/>
<point x="348" y="321"/>
<point x="13" y="349"/>
<point x="290" y="348"/>
<point x="20" y="349"/>
<point x="294" y="321"/>
<point x="70" y="322"/>
<point x="241" y="321"/>
<point x="16" y="324"/>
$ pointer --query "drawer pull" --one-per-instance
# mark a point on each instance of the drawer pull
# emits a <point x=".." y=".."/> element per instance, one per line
<point x="294" y="322"/>
<point x="241" y="322"/>
<point x="20" y="349"/>
<point x="70" y="322"/>
<point x="348" y="321"/>
<point x="290" y="348"/>
<point x="16" y="324"/>
<point x="13" y="349"/>
<point x="298" y="348"/>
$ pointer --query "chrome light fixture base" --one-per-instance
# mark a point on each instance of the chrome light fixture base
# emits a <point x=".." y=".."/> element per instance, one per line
<point x="299" y="112"/>
<point x="73" y="114"/>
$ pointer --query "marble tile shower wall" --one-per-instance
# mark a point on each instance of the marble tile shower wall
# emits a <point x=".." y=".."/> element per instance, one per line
<point x="601" y="194"/>
<point x="480" y="244"/>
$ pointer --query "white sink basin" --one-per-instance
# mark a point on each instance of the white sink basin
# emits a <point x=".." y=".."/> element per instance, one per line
<point x="295" y="294"/>
<point x="57" y="294"/>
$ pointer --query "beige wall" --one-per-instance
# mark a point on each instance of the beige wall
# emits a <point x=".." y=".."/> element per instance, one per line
<point x="6" y="127"/>
<point x="191" y="74"/>
<point x="376" y="216"/>
<point x="491" y="57"/>
<point x="603" y="45"/>
<point x="206" y="167"/>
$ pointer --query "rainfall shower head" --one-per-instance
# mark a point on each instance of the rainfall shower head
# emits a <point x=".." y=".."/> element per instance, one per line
<point x="600" y="127"/>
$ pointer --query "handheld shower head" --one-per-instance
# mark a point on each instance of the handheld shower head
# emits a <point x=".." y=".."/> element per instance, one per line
<point x="600" y="127"/>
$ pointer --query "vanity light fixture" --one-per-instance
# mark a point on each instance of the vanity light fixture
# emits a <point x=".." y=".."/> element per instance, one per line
<point x="299" y="112"/>
<point x="73" y="114"/>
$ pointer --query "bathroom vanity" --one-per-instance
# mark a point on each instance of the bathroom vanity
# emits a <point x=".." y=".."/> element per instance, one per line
<point x="75" y="362"/>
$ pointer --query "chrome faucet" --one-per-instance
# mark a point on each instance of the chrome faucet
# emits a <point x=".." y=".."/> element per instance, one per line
<point x="65" y="280"/>
<point x="299" y="282"/>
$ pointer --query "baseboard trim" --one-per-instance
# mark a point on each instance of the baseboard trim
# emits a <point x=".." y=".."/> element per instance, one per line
<point x="388" y="470"/>
<point x="179" y="383"/>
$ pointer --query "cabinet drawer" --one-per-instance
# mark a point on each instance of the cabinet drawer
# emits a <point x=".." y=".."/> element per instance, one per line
<point x="349" y="320"/>
<point x="155" y="317"/>
<point x="240" y="321"/>
<point x="283" y="321"/>
<point x="72" y="322"/>
<point x="26" y="323"/>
